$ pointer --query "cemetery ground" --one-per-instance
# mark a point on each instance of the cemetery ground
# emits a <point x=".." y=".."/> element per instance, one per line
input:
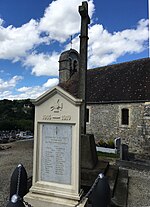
<point x="22" y="152"/>
<point x="10" y="156"/>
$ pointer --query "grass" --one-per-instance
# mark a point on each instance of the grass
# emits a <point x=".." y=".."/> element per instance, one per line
<point x="105" y="154"/>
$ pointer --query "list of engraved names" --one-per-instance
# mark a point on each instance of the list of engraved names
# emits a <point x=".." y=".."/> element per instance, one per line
<point x="56" y="153"/>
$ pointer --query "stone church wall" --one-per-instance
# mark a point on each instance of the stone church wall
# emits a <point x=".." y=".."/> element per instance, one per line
<point x="105" y="123"/>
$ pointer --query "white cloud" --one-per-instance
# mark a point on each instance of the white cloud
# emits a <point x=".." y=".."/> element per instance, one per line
<point x="51" y="82"/>
<point x="43" y="64"/>
<point x="16" y="42"/>
<point x="61" y="19"/>
<point x="56" y="24"/>
<point x="5" y="94"/>
<point x="38" y="89"/>
<point x="9" y="84"/>
<point x="105" y="47"/>
<point x="29" y="92"/>
<point x="24" y="89"/>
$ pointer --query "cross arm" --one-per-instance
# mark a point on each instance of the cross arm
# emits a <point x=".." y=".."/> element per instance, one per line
<point x="83" y="10"/>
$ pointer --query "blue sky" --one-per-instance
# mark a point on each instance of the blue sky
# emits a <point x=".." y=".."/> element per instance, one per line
<point x="33" y="33"/>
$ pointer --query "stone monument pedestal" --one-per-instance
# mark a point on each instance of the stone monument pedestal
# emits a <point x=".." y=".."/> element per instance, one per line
<point x="56" y="163"/>
<point x="89" y="157"/>
<point x="39" y="200"/>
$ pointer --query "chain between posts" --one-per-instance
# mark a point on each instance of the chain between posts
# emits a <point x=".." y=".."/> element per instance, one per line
<point x="100" y="176"/>
<point x="18" y="182"/>
<point x="26" y="203"/>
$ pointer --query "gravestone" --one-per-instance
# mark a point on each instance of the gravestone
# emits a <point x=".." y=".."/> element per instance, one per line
<point x="56" y="165"/>
<point x="117" y="143"/>
<point x="124" y="155"/>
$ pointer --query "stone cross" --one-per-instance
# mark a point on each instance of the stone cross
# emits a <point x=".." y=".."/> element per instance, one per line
<point x="85" y="20"/>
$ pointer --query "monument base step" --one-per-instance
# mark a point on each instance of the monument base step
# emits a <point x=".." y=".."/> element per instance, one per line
<point x="39" y="200"/>
<point x="88" y="176"/>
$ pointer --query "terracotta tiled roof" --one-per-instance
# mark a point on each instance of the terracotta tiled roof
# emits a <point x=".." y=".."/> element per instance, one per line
<point x="124" y="82"/>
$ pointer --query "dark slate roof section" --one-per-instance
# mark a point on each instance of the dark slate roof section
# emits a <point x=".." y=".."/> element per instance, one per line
<point x="71" y="86"/>
<point x="128" y="81"/>
<point x="124" y="82"/>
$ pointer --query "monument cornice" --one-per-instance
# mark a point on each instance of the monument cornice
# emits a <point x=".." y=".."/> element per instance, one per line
<point x="56" y="90"/>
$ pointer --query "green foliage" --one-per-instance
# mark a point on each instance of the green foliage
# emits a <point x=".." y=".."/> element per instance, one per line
<point x="16" y="114"/>
<point x="108" y="144"/>
<point x="102" y="143"/>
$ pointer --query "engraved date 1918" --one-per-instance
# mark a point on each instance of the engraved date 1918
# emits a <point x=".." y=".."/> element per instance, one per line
<point x="65" y="117"/>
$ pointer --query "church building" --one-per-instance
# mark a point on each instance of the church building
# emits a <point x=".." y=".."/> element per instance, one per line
<point x="118" y="99"/>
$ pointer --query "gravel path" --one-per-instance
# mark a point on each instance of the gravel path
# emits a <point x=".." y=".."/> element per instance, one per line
<point x="139" y="188"/>
<point x="20" y="152"/>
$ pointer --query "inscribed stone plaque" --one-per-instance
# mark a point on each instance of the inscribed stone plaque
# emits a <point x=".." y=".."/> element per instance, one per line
<point x="56" y="153"/>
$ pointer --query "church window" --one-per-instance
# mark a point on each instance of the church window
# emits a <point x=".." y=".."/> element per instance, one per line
<point x="88" y="115"/>
<point x="125" y="116"/>
<point x="70" y="66"/>
<point x="75" y="66"/>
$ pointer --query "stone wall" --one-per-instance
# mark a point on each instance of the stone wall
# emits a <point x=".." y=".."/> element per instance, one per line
<point x="105" y="123"/>
<point x="146" y="129"/>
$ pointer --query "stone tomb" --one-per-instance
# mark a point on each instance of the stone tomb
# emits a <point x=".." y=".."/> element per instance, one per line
<point x="56" y="164"/>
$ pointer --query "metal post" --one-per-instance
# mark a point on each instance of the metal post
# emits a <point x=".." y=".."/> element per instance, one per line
<point x="18" y="187"/>
<point x="101" y="196"/>
<point x="18" y="184"/>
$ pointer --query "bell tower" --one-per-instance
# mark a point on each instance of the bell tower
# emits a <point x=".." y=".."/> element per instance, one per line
<point x="68" y="65"/>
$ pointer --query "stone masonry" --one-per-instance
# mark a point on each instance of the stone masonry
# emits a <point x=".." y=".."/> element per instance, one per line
<point x="105" y="123"/>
